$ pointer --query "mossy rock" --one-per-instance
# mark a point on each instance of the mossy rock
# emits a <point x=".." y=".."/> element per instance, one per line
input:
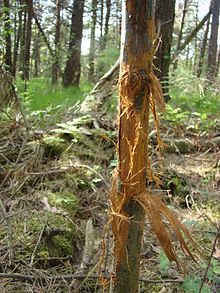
<point x="54" y="146"/>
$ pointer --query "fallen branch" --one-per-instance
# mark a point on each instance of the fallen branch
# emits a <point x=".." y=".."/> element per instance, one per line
<point x="32" y="278"/>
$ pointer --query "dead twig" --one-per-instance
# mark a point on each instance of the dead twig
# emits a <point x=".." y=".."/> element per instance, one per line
<point x="33" y="278"/>
<point x="36" y="246"/>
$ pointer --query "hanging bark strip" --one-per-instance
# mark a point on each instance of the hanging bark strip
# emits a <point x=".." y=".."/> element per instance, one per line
<point x="139" y="92"/>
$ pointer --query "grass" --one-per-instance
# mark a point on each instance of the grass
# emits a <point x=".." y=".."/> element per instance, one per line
<point x="189" y="93"/>
<point x="41" y="94"/>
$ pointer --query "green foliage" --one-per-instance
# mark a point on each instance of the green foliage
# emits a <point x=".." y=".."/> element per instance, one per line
<point x="41" y="94"/>
<point x="193" y="284"/>
<point x="164" y="263"/>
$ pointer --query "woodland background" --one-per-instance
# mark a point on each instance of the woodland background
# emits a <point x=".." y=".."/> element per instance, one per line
<point x="58" y="131"/>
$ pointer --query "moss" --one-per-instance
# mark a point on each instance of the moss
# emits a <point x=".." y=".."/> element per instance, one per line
<point x="64" y="200"/>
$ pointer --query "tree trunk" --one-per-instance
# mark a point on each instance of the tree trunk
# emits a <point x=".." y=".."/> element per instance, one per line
<point x="180" y="35"/>
<point x="203" y="49"/>
<point x="106" y="28"/>
<point x="72" y="70"/>
<point x="165" y="15"/>
<point x="28" y="34"/>
<point x="135" y="68"/>
<point x="7" y="31"/>
<point x="17" y="37"/>
<point x="56" y="64"/>
<point x="92" y="42"/>
<point x="36" y="53"/>
<point x="213" y="42"/>
<point x="191" y="36"/>
<point x="22" y="41"/>
<point x="218" y="63"/>
<point x="43" y="35"/>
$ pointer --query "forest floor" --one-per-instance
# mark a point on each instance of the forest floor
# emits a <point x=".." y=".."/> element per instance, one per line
<point x="54" y="208"/>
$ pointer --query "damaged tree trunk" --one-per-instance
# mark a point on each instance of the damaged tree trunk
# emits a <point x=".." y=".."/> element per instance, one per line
<point x="130" y="180"/>
<point x="139" y="92"/>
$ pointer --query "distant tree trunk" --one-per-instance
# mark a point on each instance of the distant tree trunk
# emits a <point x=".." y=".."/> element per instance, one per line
<point x="213" y="42"/>
<point x="196" y="38"/>
<point x="180" y="35"/>
<point x="101" y="18"/>
<point x="203" y="49"/>
<point x="43" y="35"/>
<point x="36" y="54"/>
<point x="106" y="28"/>
<point x="56" y="64"/>
<point x="17" y="36"/>
<point x="28" y="34"/>
<point x="22" y="39"/>
<point x="135" y="68"/>
<point x="191" y="35"/>
<point x="164" y="16"/>
<point x="72" y="70"/>
<point x="218" y="62"/>
<point x="7" y="31"/>
<point x="92" y="42"/>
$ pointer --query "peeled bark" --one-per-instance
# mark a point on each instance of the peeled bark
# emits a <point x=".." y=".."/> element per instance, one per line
<point x="135" y="68"/>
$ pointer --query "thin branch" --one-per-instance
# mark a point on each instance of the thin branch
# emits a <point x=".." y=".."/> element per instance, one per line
<point x="210" y="258"/>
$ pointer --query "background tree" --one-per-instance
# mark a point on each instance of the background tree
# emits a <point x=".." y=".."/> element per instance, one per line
<point x="164" y="16"/>
<point x="7" y="28"/>
<point x="56" y="63"/>
<point x="72" y="69"/>
<point x="92" y="41"/>
<point x="213" y="42"/>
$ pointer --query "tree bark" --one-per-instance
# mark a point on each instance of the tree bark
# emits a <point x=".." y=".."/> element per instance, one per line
<point x="7" y="32"/>
<point x="164" y="16"/>
<point x="56" y="64"/>
<point x="92" y="42"/>
<point x="213" y="42"/>
<point x="72" y="70"/>
<point x="130" y="177"/>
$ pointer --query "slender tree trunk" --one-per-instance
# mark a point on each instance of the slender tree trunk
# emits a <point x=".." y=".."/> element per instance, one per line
<point x="203" y="49"/>
<point x="72" y="70"/>
<point x="92" y="42"/>
<point x="180" y="35"/>
<point x="7" y="29"/>
<point x="218" y="62"/>
<point x="196" y="38"/>
<point x="165" y="15"/>
<point x="36" y="54"/>
<point x="29" y="4"/>
<point x="22" y="41"/>
<point x="43" y="35"/>
<point x="56" y="64"/>
<point x="17" y="41"/>
<point x="191" y="36"/>
<point x="106" y="28"/>
<point x="101" y="18"/>
<point x="213" y="42"/>
<point x="135" y="68"/>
